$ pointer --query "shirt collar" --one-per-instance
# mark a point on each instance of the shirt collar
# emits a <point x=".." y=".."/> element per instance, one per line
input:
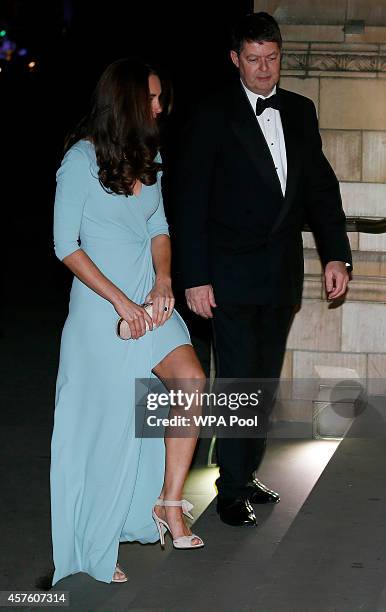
<point x="252" y="96"/>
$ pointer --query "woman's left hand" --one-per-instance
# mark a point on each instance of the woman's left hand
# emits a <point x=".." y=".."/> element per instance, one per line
<point x="163" y="301"/>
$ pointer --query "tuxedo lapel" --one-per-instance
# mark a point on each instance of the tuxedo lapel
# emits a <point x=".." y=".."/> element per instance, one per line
<point x="247" y="129"/>
<point x="291" y="136"/>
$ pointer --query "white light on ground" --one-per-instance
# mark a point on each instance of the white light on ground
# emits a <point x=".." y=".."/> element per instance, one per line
<point x="286" y="461"/>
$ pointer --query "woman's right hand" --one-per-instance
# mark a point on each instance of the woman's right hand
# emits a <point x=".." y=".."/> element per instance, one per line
<point x="136" y="317"/>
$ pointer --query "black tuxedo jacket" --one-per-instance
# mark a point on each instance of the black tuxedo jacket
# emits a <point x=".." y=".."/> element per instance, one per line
<point x="231" y="225"/>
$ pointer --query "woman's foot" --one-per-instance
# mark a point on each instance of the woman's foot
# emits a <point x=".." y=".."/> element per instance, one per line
<point x="173" y="516"/>
<point x="119" y="575"/>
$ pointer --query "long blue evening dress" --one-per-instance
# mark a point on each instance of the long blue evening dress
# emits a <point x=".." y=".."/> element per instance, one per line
<point x="104" y="480"/>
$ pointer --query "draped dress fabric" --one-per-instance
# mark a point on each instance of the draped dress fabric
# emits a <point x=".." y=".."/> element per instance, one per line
<point x="104" y="479"/>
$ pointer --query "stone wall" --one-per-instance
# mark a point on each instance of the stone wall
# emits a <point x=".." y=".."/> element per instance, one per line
<point x="335" y="53"/>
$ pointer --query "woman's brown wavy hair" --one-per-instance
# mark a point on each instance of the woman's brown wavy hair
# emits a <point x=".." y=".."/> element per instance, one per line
<point x="121" y="127"/>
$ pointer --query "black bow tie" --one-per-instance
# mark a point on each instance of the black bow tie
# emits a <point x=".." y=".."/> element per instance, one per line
<point x="263" y="103"/>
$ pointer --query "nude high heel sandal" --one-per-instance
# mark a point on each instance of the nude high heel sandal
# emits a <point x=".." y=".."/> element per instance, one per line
<point x="182" y="542"/>
<point x="119" y="574"/>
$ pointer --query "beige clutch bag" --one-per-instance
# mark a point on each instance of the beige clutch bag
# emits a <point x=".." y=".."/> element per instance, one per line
<point x="122" y="326"/>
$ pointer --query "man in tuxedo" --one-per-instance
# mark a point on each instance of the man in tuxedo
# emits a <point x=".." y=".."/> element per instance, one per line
<point x="249" y="173"/>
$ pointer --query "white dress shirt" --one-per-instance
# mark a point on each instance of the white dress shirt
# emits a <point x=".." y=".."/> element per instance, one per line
<point x="271" y="126"/>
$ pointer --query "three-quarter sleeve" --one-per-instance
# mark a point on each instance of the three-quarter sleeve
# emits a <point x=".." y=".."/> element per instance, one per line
<point x="71" y="194"/>
<point x="156" y="223"/>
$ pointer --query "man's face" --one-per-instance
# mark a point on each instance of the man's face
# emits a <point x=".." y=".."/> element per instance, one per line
<point x="259" y="66"/>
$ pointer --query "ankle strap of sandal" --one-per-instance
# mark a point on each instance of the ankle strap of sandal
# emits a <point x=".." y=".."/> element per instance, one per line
<point x="184" y="503"/>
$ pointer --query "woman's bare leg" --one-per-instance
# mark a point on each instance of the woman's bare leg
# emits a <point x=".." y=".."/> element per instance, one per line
<point x="182" y="363"/>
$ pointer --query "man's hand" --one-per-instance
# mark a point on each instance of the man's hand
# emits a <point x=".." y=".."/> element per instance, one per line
<point x="201" y="300"/>
<point x="336" y="279"/>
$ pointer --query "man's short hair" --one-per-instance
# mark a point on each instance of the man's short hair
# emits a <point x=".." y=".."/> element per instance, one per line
<point x="255" y="27"/>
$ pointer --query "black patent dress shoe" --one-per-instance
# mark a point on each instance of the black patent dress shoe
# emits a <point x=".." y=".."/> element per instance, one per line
<point x="236" y="512"/>
<point x="260" y="494"/>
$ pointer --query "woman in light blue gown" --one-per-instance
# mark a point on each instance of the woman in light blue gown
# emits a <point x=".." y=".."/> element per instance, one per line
<point x="111" y="232"/>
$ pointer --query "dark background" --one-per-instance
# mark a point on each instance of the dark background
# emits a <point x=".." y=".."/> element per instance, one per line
<point x="72" y="41"/>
